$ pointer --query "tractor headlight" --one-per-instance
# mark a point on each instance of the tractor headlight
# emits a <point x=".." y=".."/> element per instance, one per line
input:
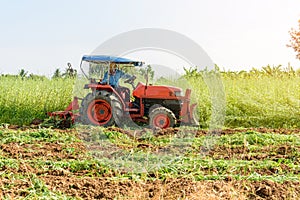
<point x="178" y="93"/>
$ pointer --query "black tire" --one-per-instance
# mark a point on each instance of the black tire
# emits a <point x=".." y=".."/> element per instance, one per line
<point x="153" y="107"/>
<point x="104" y="102"/>
<point x="161" y="117"/>
<point x="118" y="112"/>
<point x="122" y="118"/>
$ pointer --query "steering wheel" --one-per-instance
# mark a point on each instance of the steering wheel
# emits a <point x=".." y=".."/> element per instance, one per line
<point x="130" y="80"/>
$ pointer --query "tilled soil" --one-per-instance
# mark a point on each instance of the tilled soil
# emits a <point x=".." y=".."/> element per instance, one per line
<point x="172" y="131"/>
<point x="87" y="184"/>
<point x="43" y="150"/>
<point x="200" y="132"/>
<point x="95" y="188"/>
<point x="106" y="188"/>
<point x="243" y="153"/>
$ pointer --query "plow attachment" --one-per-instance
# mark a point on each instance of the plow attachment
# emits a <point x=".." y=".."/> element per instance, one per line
<point x="68" y="113"/>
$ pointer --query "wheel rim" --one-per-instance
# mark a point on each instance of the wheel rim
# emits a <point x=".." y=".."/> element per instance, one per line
<point x="99" y="112"/>
<point x="161" y="121"/>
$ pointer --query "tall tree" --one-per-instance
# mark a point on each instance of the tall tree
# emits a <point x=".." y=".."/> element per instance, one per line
<point x="295" y="40"/>
<point x="23" y="73"/>
<point x="70" y="72"/>
<point x="57" y="74"/>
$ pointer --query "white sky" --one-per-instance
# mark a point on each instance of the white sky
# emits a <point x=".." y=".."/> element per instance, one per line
<point x="41" y="36"/>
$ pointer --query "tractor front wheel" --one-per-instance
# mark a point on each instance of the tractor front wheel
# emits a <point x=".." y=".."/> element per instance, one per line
<point x="161" y="117"/>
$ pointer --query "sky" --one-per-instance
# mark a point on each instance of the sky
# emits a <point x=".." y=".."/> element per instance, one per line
<point x="41" y="36"/>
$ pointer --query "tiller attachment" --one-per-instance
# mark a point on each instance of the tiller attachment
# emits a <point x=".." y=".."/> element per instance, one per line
<point x="68" y="112"/>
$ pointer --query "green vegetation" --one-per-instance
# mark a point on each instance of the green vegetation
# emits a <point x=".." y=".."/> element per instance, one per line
<point x="55" y="164"/>
<point x="259" y="98"/>
<point x="40" y="156"/>
<point x="269" y="97"/>
<point x="22" y="100"/>
<point x="217" y="164"/>
<point x="33" y="136"/>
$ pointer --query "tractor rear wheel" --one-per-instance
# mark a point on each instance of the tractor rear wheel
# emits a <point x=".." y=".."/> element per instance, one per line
<point x="161" y="117"/>
<point x="101" y="108"/>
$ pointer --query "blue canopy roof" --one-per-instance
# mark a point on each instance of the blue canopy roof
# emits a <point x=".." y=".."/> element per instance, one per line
<point x="104" y="58"/>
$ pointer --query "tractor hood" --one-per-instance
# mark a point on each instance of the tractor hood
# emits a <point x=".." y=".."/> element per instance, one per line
<point x="157" y="91"/>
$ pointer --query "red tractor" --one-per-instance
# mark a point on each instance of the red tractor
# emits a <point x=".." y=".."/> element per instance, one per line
<point x="156" y="105"/>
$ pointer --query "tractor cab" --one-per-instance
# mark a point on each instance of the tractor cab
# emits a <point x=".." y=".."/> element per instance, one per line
<point x="113" y="73"/>
<point x="95" y="66"/>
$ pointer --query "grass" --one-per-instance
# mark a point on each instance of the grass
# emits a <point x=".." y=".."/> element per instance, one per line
<point x="259" y="139"/>
<point x="29" y="136"/>
<point x="36" y="190"/>
<point x="23" y="100"/>
<point x="125" y="160"/>
<point x="127" y="153"/>
<point x="253" y="99"/>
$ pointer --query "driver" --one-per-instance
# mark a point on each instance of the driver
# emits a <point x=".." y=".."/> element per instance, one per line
<point x="114" y="74"/>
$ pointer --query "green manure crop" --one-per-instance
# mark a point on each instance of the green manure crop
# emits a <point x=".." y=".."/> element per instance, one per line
<point x="259" y="98"/>
<point x="269" y="97"/>
<point x="22" y="100"/>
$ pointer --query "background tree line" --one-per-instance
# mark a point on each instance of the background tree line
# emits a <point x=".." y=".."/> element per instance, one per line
<point x="69" y="72"/>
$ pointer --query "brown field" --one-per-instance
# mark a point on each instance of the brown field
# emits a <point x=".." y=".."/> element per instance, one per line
<point x="91" y="184"/>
